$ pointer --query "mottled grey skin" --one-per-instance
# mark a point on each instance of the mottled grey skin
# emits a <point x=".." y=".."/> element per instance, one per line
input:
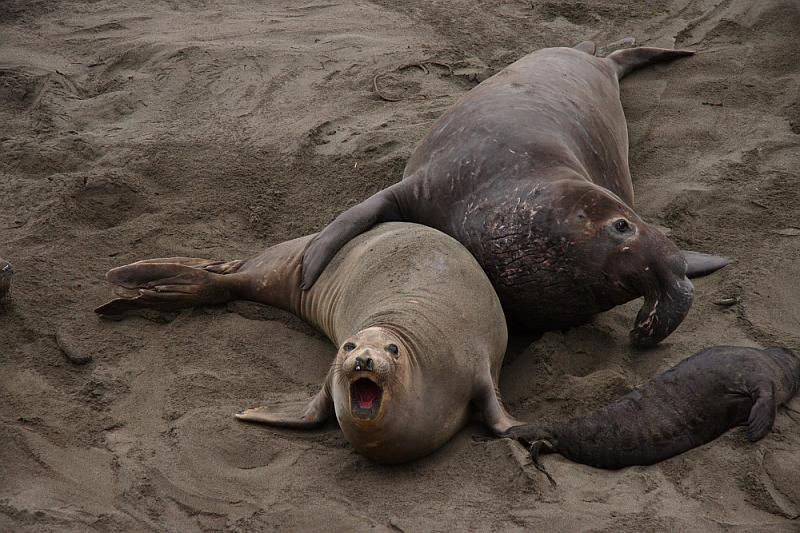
<point x="6" y="275"/>
<point x="398" y="284"/>
<point x="529" y="170"/>
<point x="687" y="406"/>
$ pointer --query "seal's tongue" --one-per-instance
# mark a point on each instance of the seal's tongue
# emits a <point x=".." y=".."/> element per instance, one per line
<point x="366" y="393"/>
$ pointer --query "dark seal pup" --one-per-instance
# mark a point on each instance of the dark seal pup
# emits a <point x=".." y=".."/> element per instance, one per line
<point x="529" y="170"/>
<point x="687" y="406"/>
<point x="420" y="331"/>
<point x="6" y="275"/>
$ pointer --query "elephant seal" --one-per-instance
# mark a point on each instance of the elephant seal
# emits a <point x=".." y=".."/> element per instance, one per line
<point x="687" y="406"/>
<point x="529" y="171"/>
<point x="6" y="275"/>
<point x="420" y="331"/>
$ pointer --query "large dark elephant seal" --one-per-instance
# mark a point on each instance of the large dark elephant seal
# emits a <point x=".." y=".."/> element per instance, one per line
<point x="6" y="275"/>
<point x="421" y="333"/>
<point x="529" y="170"/>
<point x="687" y="406"/>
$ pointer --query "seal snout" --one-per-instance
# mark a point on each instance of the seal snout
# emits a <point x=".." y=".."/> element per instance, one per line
<point x="364" y="363"/>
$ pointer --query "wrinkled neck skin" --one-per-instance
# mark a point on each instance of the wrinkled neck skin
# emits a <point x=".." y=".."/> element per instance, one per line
<point x="555" y="260"/>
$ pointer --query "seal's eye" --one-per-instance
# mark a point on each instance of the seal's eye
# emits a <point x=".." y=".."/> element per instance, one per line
<point x="621" y="225"/>
<point x="348" y="347"/>
<point x="392" y="349"/>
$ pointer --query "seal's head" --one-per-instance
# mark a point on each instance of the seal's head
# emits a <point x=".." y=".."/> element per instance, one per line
<point x="788" y="383"/>
<point x="577" y="250"/>
<point x="370" y="364"/>
<point x="637" y="259"/>
<point x="383" y="404"/>
<point x="6" y="273"/>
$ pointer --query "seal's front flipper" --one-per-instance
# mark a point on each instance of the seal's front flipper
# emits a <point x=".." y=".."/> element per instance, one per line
<point x="536" y="439"/>
<point x="586" y="46"/>
<point x="380" y="207"/>
<point x="298" y="415"/>
<point x="762" y="414"/>
<point x="630" y="59"/>
<point x="527" y="434"/>
<point x="700" y="264"/>
<point x="159" y="284"/>
<point x="494" y="414"/>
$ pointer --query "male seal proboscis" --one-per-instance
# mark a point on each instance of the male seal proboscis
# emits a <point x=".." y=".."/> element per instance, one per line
<point x="687" y="406"/>
<point x="529" y="170"/>
<point x="6" y="275"/>
<point x="420" y="331"/>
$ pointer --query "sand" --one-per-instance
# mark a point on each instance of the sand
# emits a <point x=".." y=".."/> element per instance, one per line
<point x="139" y="129"/>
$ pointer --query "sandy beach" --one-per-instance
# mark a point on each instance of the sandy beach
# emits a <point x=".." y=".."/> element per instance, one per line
<point x="206" y="128"/>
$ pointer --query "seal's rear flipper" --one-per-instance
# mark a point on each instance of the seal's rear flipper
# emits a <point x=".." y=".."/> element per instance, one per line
<point x="380" y="207"/>
<point x="629" y="59"/>
<point x="298" y="415"/>
<point x="586" y="46"/>
<point x="699" y="264"/>
<point x="762" y="414"/>
<point x="169" y="284"/>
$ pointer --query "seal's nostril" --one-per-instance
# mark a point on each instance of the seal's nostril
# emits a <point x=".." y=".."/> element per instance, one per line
<point x="359" y="363"/>
<point x="369" y="364"/>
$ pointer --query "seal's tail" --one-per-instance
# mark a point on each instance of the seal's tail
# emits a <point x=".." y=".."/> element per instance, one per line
<point x="630" y="59"/>
<point x="171" y="283"/>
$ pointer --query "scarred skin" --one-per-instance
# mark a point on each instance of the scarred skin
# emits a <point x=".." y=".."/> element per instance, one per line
<point x="6" y="275"/>
<point x="687" y="406"/>
<point x="529" y="170"/>
<point x="398" y="284"/>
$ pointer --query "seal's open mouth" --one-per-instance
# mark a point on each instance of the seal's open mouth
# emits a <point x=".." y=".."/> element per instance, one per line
<point x="365" y="398"/>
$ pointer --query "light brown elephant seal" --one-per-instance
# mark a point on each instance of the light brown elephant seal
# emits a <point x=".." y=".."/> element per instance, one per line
<point x="529" y="171"/>
<point x="421" y="332"/>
